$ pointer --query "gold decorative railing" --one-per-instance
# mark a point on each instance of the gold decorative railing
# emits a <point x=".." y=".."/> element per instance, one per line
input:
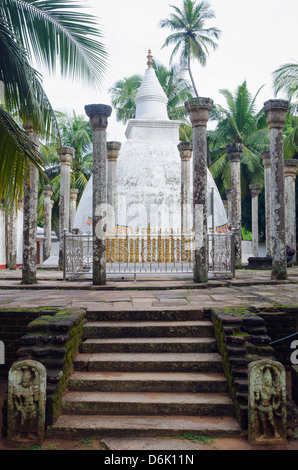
<point x="147" y="252"/>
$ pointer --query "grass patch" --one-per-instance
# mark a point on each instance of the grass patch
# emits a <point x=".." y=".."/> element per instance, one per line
<point x="205" y="440"/>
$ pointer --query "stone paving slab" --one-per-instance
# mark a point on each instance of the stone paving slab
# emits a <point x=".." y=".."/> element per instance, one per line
<point x="251" y="288"/>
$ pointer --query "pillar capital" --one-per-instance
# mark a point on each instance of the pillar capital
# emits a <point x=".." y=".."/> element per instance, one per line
<point x="290" y="167"/>
<point x="66" y="154"/>
<point x="185" y="149"/>
<point x="276" y="111"/>
<point x="199" y="110"/>
<point x="74" y="194"/>
<point x="98" y="115"/>
<point x="234" y="151"/>
<point x="113" y="149"/>
<point x="266" y="158"/>
<point x="255" y="189"/>
<point x="48" y="191"/>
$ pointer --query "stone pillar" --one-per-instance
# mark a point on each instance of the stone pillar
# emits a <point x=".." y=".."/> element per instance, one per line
<point x="228" y="193"/>
<point x="290" y="172"/>
<point x="267" y="183"/>
<point x="185" y="149"/>
<point x="276" y="111"/>
<point x="98" y="115"/>
<point x="12" y="223"/>
<point x="234" y="153"/>
<point x="47" y="191"/>
<point x="113" y="149"/>
<point x="66" y="155"/>
<point x="72" y="207"/>
<point x="30" y="215"/>
<point x="255" y="190"/>
<point x="199" y="111"/>
<point x="225" y="204"/>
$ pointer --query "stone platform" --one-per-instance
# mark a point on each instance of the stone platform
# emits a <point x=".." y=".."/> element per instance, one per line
<point x="250" y="288"/>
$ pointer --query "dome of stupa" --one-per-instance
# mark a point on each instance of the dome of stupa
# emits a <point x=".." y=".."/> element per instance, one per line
<point x="149" y="169"/>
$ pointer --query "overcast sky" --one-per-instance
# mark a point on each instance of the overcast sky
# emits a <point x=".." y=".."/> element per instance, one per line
<point x="257" y="37"/>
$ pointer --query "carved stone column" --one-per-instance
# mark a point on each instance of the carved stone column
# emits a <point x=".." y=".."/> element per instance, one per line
<point x="199" y="111"/>
<point x="276" y="111"/>
<point x="290" y="172"/>
<point x="72" y="207"/>
<point x="113" y="149"/>
<point x="12" y="224"/>
<point x="255" y="190"/>
<point x="185" y="149"/>
<point x="225" y="204"/>
<point x="234" y="153"/>
<point x="267" y="183"/>
<point x="66" y="156"/>
<point x="30" y="215"/>
<point x="228" y="193"/>
<point x="98" y="115"/>
<point x="48" y="192"/>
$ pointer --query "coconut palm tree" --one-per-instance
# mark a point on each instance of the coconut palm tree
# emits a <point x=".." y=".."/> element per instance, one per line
<point x="285" y="79"/>
<point x="22" y="95"/>
<point x="50" y="34"/>
<point x="190" y="37"/>
<point x="75" y="132"/>
<point x="238" y="122"/>
<point x="123" y="95"/>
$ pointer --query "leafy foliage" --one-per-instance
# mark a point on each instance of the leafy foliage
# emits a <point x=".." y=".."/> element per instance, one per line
<point x="238" y="122"/>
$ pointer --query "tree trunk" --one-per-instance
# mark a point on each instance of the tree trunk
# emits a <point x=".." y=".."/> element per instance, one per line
<point x="191" y="78"/>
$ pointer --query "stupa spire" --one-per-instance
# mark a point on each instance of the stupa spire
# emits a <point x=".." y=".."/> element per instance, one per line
<point x="150" y="61"/>
<point x="151" y="101"/>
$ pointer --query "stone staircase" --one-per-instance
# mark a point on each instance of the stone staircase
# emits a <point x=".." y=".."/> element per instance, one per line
<point x="147" y="374"/>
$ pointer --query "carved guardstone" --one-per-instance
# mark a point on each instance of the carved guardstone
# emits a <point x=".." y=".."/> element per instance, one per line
<point x="267" y="418"/>
<point x="26" y="402"/>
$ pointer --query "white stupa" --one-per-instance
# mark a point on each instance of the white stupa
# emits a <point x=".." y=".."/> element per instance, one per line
<point x="149" y="169"/>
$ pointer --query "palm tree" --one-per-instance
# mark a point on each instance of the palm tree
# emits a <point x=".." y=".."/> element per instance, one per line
<point x="57" y="34"/>
<point x="190" y="37"/>
<point x="286" y="79"/>
<point x="239" y="122"/>
<point x="75" y="132"/>
<point x="50" y="34"/>
<point x="123" y="94"/>
<point x="22" y="95"/>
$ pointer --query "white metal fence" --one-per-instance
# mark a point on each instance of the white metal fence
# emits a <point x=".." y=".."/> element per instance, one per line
<point x="147" y="253"/>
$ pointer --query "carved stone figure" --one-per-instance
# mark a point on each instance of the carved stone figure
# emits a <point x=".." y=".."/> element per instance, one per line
<point x="267" y="421"/>
<point x="26" y="401"/>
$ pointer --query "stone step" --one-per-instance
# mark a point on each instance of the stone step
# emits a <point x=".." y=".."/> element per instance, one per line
<point x="145" y="403"/>
<point x="147" y="315"/>
<point x="147" y="345"/>
<point x="147" y="329"/>
<point x="74" y="426"/>
<point x="138" y="362"/>
<point x="148" y="382"/>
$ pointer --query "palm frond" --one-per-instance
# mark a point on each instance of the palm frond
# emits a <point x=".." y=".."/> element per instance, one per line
<point x="57" y="32"/>
<point x="18" y="153"/>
